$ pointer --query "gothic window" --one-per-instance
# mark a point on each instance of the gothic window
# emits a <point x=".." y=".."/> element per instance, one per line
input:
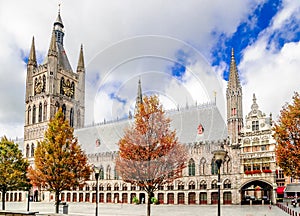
<point x="101" y="187"/>
<point x="191" y="167"/>
<point x="192" y="185"/>
<point x="214" y="167"/>
<point x="116" y="176"/>
<point x="101" y="173"/>
<point x="62" y="81"/>
<point x="214" y="184"/>
<point x="181" y="186"/>
<point x="255" y="125"/>
<point x="44" y="83"/>
<point x="233" y="111"/>
<point x="40" y="112"/>
<point x="27" y="150"/>
<point x="64" y="109"/>
<point x="124" y="187"/>
<point x="116" y="187"/>
<point x="56" y="107"/>
<point x="28" y="115"/>
<point x="108" y="172"/>
<point x="32" y="150"/>
<point x="33" y="114"/>
<point x="226" y="165"/>
<point x="227" y="184"/>
<point x="71" y="117"/>
<point x="45" y="111"/>
<point x="203" y="185"/>
<point x="202" y="166"/>
<point x="170" y="187"/>
<point x="108" y="187"/>
<point x="266" y="166"/>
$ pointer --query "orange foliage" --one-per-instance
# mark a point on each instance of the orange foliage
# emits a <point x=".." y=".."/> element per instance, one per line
<point x="287" y="136"/>
<point x="150" y="154"/>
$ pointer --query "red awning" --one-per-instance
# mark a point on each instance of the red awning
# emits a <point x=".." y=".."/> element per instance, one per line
<point x="280" y="190"/>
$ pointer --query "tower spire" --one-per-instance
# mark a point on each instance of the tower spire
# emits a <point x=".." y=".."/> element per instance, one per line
<point x="139" y="98"/>
<point x="234" y="103"/>
<point x="234" y="80"/>
<point x="80" y="64"/>
<point x="32" y="55"/>
<point x="52" y="49"/>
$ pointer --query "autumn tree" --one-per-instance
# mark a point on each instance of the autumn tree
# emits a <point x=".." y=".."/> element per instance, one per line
<point x="149" y="152"/>
<point x="13" y="168"/>
<point x="287" y="136"/>
<point x="59" y="162"/>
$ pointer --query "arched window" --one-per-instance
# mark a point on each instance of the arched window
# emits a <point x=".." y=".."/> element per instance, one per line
<point x="191" y="167"/>
<point x="108" y="187"/>
<point x="108" y="169"/>
<point x="28" y="114"/>
<point x="203" y="185"/>
<point x="62" y="82"/>
<point x="180" y="185"/>
<point x="44" y="83"/>
<point x="27" y="150"/>
<point x="101" y="173"/>
<point x="64" y="110"/>
<point x="124" y="187"/>
<point x="71" y="117"/>
<point x="116" y="187"/>
<point x="33" y="114"/>
<point x="227" y="184"/>
<point x="56" y="107"/>
<point x="192" y="185"/>
<point x="32" y="150"/>
<point x="40" y="112"/>
<point x="116" y="176"/>
<point x="214" y="167"/>
<point x="45" y="111"/>
<point x="227" y="165"/>
<point x="214" y="184"/>
<point x="202" y="166"/>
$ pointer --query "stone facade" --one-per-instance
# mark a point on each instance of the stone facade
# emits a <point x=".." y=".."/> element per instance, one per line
<point x="248" y="170"/>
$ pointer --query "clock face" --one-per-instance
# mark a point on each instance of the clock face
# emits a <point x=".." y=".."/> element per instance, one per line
<point x="38" y="85"/>
<point x="68" y="88"/>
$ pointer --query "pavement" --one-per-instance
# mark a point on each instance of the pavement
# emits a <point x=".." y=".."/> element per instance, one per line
<point x="88" y="209"/>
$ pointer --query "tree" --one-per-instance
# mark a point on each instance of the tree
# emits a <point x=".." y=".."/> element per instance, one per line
<point x="287" y="136"/>
<point x="149" y="152"/>
<point x="59" y="162"/>
<point x="13" y="168"/>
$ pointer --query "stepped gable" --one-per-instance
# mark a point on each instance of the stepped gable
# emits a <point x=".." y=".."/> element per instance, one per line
<point x="104" y="137"/>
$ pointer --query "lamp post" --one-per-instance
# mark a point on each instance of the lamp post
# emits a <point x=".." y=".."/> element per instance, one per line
<point x="219" y="157"/>
<point x="28" y="187"/>
<point x="97" y="172"/>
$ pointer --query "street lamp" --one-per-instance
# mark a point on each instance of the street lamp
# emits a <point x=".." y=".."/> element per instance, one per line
<point x="97" y="172"/>
<point x="219" y="157"/>
<point x="28" y="187"/>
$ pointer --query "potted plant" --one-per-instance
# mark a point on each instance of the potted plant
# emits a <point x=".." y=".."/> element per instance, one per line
<point x="135" y="200"/>
<point x="154" y="200"/>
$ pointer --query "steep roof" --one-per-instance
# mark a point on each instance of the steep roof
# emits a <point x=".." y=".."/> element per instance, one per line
<point x="186" y="123"/>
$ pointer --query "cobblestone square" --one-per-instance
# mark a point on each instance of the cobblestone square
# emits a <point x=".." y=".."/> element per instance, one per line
<point x="88" y="209"/>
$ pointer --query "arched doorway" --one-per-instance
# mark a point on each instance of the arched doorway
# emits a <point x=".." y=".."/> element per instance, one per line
<point x="256" y="192"/>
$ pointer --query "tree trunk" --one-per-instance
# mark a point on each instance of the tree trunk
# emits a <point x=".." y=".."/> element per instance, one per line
<point x="149" y="204"/>
<point x="56" y="202"/>
<point x="3" y="199"/>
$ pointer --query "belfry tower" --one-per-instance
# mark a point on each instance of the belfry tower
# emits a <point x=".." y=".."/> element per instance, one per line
<point x="234" y="103"/>
<point x="50" y="86"/>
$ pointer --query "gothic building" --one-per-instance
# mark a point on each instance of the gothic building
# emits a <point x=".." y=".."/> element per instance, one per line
<point x="248" y="169"/>
<point x="51" y="85"/>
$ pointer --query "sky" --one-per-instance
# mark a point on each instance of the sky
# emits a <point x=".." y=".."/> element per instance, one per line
<point x="179" y="50"/>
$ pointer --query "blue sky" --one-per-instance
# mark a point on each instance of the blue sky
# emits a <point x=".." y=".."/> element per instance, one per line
<point x="174" y="47"/>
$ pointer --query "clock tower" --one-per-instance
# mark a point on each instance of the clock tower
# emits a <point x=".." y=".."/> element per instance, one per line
<point x="50" y="86"/>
